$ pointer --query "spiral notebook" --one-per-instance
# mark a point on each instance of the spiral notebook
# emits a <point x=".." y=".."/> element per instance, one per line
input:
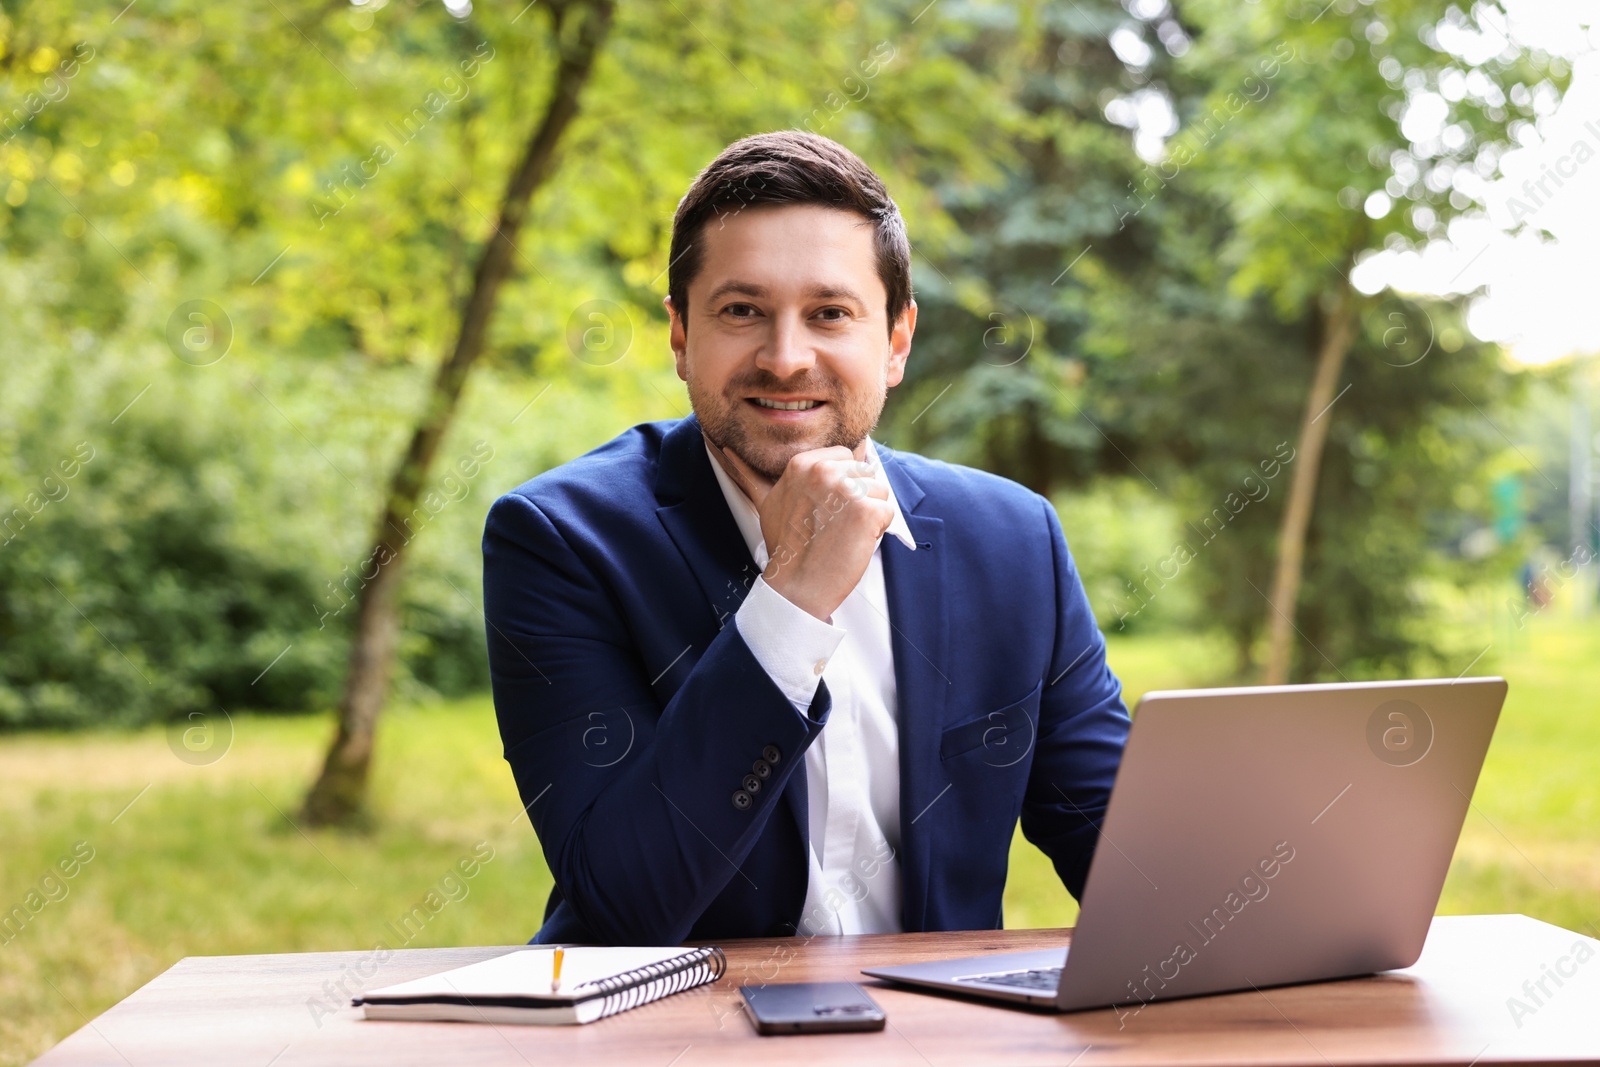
<point x="515" y="988"/>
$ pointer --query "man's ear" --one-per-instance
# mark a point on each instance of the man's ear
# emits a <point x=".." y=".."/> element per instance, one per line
<point x="678" y="338"/>
<point x="900" y="343"/>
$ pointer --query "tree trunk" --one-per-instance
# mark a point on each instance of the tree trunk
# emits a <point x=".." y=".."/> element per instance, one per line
<point x="1337" y="330"/>
<point x="339" y="794"/>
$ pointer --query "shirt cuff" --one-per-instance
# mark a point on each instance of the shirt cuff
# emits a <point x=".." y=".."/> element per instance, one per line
<point x="792" y="645"/>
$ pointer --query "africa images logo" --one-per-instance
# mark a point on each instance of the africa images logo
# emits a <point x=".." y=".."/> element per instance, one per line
<point x="1399" y="733"/>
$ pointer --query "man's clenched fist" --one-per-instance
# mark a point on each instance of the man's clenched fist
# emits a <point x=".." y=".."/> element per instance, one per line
<point x="821" y="521"/>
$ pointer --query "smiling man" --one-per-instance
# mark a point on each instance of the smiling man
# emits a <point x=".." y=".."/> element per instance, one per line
<point x="757" y="674"/>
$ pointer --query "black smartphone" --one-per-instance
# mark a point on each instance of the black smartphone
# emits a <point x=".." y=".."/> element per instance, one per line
<point x="811" y="1008"/>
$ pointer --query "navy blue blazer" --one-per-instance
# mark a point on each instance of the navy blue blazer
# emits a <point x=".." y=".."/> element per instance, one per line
<point x="633" y="713"/>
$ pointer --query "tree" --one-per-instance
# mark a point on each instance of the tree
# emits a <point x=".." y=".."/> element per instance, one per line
<point x="338" y="793"/>
<point x="1358" y="108"/>
<point x="317" y="177"/>
<point x="579" y="29"/>
<point x="1175" y="312"/>
<point x="999" y="374"/>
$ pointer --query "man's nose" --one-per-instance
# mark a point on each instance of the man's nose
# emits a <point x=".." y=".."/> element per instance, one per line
<point x="788" y="350"/>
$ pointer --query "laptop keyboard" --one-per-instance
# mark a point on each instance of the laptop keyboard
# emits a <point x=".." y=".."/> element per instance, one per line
<point x="1045" y="978"/>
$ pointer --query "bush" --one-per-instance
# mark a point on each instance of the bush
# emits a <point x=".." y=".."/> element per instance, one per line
<point x="182" y="556"/>
<point x="126" y="594"/>
<point x="1122" y="534"/>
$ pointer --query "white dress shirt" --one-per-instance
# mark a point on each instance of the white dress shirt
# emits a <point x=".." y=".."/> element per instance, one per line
<point x="853" y="767"/>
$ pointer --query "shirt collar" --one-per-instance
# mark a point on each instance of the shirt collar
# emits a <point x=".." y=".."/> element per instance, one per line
<point x="749" y="519"/>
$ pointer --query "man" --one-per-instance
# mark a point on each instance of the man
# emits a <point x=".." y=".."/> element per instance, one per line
<point x="733" y="706"/>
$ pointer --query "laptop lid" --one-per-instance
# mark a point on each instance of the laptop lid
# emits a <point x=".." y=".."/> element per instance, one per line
<point x="1267" y="835"/>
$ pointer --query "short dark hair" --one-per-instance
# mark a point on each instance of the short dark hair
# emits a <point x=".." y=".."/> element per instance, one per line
<point x="788" y="167"/>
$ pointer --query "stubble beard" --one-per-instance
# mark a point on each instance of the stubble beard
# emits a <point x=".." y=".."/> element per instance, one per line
<point x="725" y="418"/>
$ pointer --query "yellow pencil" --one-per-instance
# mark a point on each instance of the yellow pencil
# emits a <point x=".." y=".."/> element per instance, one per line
<point x="555" y="979"/>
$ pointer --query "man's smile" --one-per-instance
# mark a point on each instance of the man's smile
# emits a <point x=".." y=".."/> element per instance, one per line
<point x="785" y="405"/>
<point x="785" y="409"/>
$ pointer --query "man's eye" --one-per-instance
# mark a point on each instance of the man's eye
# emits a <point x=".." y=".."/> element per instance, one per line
<point x="833" y="314"/>
<point x="740" y="311"/>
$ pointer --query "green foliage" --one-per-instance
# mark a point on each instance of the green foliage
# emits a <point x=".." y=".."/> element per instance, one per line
<point x="1359" y="76"/>
<point x="130" y="597"/>
<point x="1212" y="392"/>
<point x="323" y="176"/>
<point x="996" y="376"/>
<point x="267" y="216"/>
<point x="1159" y="321"/>
<point x="1122" y="534"/>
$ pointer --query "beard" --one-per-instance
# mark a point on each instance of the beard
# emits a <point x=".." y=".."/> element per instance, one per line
<point x="731" y="422"/>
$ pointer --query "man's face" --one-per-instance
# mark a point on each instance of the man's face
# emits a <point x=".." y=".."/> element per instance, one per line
<point x="788" y="309"/>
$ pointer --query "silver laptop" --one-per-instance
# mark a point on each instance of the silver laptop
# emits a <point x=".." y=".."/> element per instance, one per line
<point x="1259" y="837"/>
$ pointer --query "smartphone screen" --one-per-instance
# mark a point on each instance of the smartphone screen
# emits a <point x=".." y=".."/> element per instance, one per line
<point x="811" y="1008"/>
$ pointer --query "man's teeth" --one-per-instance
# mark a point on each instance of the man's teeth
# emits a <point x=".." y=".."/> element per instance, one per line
<point x="793" y="405"/>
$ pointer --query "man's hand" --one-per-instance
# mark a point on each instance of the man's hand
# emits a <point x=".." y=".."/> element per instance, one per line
<point x="821" y="521"/>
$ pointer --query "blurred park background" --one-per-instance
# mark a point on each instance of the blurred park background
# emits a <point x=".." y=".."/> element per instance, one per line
<point x="1288" y="305"/>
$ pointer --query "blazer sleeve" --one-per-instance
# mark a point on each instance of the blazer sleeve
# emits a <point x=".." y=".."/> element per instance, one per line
<point x="635" y="803"/>
<point x="1083" y="725"/>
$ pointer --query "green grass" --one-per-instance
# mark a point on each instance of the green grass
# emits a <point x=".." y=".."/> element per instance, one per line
<point x="205" y="862"/>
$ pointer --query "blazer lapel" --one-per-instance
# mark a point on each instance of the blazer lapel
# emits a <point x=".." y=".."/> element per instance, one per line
<point x="696" y="517"/>
<point x="915" y="587"/>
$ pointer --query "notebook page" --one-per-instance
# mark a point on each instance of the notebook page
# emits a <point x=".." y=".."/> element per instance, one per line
<point x="527" y="973"/>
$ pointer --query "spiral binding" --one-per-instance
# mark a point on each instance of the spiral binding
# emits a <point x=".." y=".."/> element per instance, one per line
<point x="654" y="981"/>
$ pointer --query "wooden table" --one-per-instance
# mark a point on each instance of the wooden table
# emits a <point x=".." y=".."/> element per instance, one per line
<point x="1454" y="1006"/>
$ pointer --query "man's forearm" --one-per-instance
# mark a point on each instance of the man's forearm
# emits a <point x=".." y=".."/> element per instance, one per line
<point x="792" y="645"/>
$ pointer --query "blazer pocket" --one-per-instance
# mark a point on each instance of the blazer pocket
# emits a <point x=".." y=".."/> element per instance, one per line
<point x="1007" y="733"/>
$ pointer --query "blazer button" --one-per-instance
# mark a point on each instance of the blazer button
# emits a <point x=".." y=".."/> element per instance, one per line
<point x="771" y="754"/>
<point x="751" y="784"/>
<point x="761" y="769"/>
<point x="742" y="800"/>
